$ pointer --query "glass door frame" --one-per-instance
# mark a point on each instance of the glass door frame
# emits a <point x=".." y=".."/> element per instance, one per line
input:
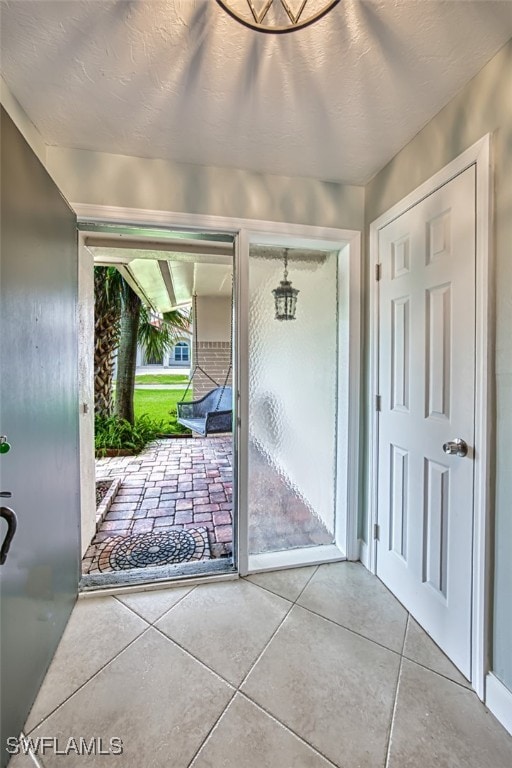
<point x="347" y="244"/>
<point x="247" y="231"/>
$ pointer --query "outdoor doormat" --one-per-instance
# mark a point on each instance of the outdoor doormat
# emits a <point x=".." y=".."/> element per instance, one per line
<point x="144" y="550"/>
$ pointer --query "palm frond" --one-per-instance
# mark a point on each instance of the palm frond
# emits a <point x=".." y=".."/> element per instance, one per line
<point x="157" y="340"/>
<point x="179" y="318"/>
<point x="107" y="289"/>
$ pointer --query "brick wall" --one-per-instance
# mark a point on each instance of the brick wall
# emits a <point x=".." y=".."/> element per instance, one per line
<point x="214" y="358"/>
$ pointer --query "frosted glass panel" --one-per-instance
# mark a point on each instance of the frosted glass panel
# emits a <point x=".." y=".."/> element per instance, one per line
<point x="292" y="402"/>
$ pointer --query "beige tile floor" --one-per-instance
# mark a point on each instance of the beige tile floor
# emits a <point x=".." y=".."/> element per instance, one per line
<point x="306" y="668"/>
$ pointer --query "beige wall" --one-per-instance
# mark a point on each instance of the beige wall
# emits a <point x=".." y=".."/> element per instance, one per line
<point x="213" y="318"/>
<point x="104" y="179"/>
<point x="213" y="342"/>
<point x="483" y="106"/>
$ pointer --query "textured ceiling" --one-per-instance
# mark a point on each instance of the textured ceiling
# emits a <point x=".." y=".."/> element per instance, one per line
<point x="183" y="81"/>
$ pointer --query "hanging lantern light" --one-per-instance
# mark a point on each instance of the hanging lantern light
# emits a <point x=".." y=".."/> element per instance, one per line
<point x="285" y="296"/>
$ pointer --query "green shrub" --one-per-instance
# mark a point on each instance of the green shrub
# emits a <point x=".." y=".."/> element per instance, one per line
<point x="116" y="433"/>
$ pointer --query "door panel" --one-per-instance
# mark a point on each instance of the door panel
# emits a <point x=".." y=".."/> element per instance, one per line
<point x="39" y="414"/>
<point x="293" y="370"/>
<point x="426" y="382"/>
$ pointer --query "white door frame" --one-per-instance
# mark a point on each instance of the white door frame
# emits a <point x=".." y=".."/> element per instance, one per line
<point x="347" y="243"/>
<point x="478" y="154"/>
<point x="246" y="231"/>
<point x="86" y="391"/>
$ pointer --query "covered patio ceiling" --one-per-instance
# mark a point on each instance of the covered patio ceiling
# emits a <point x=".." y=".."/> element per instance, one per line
<point x="167" y="280"/>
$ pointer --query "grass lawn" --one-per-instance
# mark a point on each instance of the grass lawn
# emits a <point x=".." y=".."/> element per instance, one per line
<point x="157" y="403"/>
<point x="164" y="378"/>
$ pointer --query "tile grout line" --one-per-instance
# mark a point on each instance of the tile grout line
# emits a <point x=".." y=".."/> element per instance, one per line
<point x="212" y="729"/>
<point x="393" y="713"/>
<point x="148" y="627"/>
<point x="464" y="686"/>
<point x="293" y="603"/>
<point x="395" y="702"/>
<point x="191" y="655"/>
<point x="269" y="714"/>
<point x="149" y="592"/>
<point x="237" y="688"/>
<point x="287" y="728"/>
<point x="348" y="629"/>
<point x="107" y="663"/>
<point x="265" y="589"/>
<point x="210" y="669"/>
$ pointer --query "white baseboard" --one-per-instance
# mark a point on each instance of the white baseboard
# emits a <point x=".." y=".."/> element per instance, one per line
<point x="364" y="553"/>
<point x="498" y="699"/>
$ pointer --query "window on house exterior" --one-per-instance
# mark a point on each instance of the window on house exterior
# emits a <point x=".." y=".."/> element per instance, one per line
<point x="181" y="352"/>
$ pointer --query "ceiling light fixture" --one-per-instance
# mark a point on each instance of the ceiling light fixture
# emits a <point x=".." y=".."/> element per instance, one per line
<point x="277" y="16"/>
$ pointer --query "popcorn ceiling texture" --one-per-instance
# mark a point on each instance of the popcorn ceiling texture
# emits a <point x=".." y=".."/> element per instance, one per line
<point x="181" y="81"/>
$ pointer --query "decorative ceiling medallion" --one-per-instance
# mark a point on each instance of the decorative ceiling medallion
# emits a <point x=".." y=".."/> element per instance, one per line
<point x="277" y="16"/>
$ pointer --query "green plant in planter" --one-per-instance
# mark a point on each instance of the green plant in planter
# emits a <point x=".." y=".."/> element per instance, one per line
<point x="113" y="433"/>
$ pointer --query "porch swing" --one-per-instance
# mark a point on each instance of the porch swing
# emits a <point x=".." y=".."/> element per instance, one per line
<point x="212" y="413"/>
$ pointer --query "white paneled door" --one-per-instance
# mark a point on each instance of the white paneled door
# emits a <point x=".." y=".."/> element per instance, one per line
<point x="427" y="388"/>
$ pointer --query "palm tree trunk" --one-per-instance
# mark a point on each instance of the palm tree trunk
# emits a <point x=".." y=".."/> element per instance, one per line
<point x="106" y="339"/>
<point x="127" y="355"/>
<point x="105" y="345"/>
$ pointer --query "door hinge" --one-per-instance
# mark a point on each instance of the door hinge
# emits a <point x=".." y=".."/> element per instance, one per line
<point x="377" y="271"/>
<point x="378" y="403"/>
<point x="376" y="531"/>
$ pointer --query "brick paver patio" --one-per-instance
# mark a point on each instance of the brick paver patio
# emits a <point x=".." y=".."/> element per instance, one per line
<point x="176" y="483"/>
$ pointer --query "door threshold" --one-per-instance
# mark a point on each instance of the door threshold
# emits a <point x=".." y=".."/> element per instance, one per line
<point x="295" y="558"/>
<point x="160" y="577"/>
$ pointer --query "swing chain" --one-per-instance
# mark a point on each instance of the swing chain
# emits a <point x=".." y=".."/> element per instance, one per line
<point x="197" y="367"/>
<point x="228" y="373"/>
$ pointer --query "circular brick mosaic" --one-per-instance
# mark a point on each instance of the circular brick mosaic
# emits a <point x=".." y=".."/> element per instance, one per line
<point x="151" y="549"/>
